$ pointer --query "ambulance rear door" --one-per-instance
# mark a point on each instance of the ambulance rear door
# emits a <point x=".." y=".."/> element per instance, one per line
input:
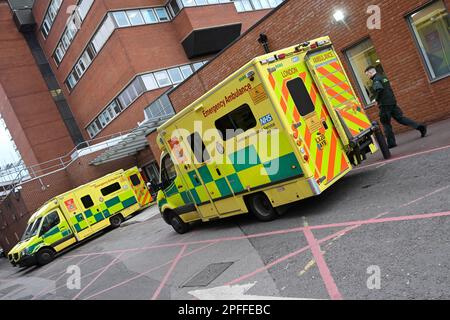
<point x="336" y="90"/>
<point x="138" y="185"/>
<point x="306" y="116"/>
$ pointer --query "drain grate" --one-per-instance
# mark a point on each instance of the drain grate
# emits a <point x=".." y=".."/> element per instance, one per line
<point x="207" y="275"/>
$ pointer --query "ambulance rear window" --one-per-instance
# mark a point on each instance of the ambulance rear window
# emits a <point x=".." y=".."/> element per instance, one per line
<point x="236" y="122"/>
<point x="110" y="189"/>
<point x="301" y="96"/>
<point x="135" y="180"/>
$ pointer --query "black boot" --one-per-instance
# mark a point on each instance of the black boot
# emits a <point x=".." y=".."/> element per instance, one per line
<point x="423" y="130"/>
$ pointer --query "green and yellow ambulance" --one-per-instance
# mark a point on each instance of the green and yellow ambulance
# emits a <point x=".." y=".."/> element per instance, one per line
<point x="78" y="214"/>
<point x="297" y="102"/>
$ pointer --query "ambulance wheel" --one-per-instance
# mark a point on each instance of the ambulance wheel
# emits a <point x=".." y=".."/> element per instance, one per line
<point x="45" y="256"/>
<point x="179" y="225"/>
<point x="261" y="207"/>
<point x="116" y="221"/>
<point x="382" y="143"/>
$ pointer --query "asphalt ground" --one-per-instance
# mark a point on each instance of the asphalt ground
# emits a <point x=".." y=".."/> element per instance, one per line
<point x="382" y="232"/>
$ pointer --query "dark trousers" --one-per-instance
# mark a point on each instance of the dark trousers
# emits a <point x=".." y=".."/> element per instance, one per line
<point x="388" y="112"/>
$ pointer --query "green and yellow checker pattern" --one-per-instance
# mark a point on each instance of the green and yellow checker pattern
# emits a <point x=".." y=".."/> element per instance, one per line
<point x="245" y="169"/>
<point x="103" y="211"/>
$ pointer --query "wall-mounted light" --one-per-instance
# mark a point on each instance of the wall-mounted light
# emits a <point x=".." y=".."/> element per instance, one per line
<point x="264" y="41"/>
<point x="339" y="16"/>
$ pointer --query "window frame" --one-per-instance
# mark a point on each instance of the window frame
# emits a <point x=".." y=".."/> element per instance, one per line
<point x="366" y="105"/>
<point x="415" y="36"/>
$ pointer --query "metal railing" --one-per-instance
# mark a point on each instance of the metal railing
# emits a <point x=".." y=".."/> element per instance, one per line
<point x="22" y="173"/>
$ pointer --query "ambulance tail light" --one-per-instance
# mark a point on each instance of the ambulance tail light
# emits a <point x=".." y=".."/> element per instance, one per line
<point x="281" y="56"/>
<point x="314" y="45"/>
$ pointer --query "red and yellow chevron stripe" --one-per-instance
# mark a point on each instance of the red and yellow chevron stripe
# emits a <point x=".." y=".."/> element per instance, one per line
<point x="144" y="197"/>
<point x="325" y="162"/>
<point x="340" y="95"/>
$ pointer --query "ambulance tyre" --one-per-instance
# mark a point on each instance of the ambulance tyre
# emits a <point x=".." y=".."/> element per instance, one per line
<point x="116" y="221"/>
<point x="261" y="207"/>
<point x="45" y="256"/>
<point x="179" y="225"/>
<point x="382" y="143"/>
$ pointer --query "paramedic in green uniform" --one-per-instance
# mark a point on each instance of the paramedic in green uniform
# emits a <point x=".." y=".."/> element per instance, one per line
<point x="389" y="108"/>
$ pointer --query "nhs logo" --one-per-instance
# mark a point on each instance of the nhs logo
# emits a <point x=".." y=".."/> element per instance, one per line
<point x="266" y="119"/>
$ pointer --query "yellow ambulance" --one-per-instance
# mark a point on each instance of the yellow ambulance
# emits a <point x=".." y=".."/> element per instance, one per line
<point x="284" y="127"/>
<point x="78" y="214"/>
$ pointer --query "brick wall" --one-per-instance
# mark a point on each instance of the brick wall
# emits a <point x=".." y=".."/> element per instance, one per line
<point x="300" y="20"/>
<point x="25" y="102"/>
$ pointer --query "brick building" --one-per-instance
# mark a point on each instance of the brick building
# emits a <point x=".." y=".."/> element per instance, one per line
<point x="74" y="71"/>
<point x="412" y="48"/>
<point x="113" y="62"/>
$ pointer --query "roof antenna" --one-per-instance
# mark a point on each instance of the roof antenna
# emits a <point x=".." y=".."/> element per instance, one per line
<point x="264" y="41"/>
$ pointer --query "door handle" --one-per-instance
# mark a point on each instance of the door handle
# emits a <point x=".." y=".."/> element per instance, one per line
<point x="325" y="125"/>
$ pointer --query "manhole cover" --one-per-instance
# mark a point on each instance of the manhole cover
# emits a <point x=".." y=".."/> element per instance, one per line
<point x="207" y="275"/>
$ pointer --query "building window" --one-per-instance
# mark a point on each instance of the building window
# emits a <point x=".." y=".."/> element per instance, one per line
<point x="162" y="78"/>
<point x="142" y="83"/>
<point x="431" y="27"/>
<point x="162" y="14"/>
<point x="149" y="16"/>
<point x="252" y="5"/>
<point x="49" y="17"/>
<point x="159" y="108"/>
<point x="121" y="19"/>
<point x="360" y="57"/>
<point x="73" y="25"/>
<point x="149" y="82"/>
<point x="135" y="17"/>
<point x="175" y="75"/>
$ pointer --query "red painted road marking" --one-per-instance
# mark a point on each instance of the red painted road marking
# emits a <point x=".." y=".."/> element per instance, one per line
<point x="63" y="273"/>
<point x="352" y="226"/>
<point x="169" y="272"/>
<point x="146" y="272"/>
<point x="266" y="267"/>
<point x="98" y="276"/>
<point x="285" y="231"/>
<point x="325" y="273"/>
